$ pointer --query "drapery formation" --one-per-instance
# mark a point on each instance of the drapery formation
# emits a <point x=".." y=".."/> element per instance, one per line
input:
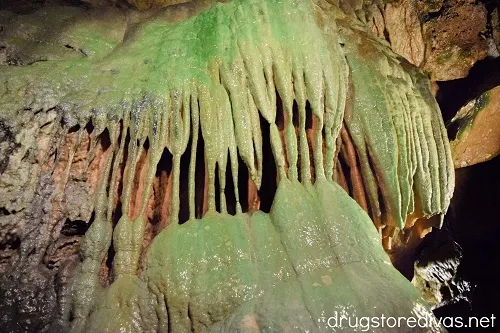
<point x="302" y="72"/>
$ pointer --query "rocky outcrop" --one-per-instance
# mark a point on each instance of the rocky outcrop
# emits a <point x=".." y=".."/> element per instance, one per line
<point x="453" y="47"/>
<point x="436" y="274"/>
<point x="477" y="127"/>
<point x="444" y="38"/>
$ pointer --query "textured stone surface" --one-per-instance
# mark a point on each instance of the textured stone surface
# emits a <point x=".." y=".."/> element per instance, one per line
<point x="147" y="4"/>
<point x="444" y="38"/>
<point x="436" y="274"/>
<point x="452" y="46"/>
<point x="478" y="130"/>
<point x="402" y="22"/>
<point x="298" y="264"/>
<point x="114" y="112"/>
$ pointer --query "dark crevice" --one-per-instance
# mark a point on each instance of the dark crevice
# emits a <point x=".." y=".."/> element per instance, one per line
<point x="429" y="16"/>
<point x="347" y="175"/>
<point x="199" y="175"/>
<point x="117" y="213"/>
<point x="74" y="129"/>
<point x="309" y="115"/>
<point x="74" y="228"/>
<point x="109" y="261"/>
<point x="105" y="140"/>
<point x="191" y="317"/>
<point x="184" y="184"/>
<point x="217" y="188"/>
<point x="89" y="127"/>
<point x="454" y="94"/>
<point x="91" y="220"/>
<point x="4" y="211"/>
<point x="386" y="35"/>
<point x="163" y="174"/>
<point x="243" y="176"/>
<point x="295" y="114"/>
<point x="452" y="130"/>
<point x="269" y="185"/>
<point x="230" y="195"/>
<point x="165" y="163"/>
<point x="10" y="243"/>
<point x="280" y="117"/>
<point x="122" y="164"/>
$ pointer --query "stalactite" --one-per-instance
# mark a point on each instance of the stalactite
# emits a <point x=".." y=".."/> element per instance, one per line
<point x="226" y="97"/>
<point x="221" y="80"/>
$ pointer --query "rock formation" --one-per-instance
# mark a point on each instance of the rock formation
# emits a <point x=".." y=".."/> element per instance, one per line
<point x="478" y="130"/>
<point x="206" y="152"/>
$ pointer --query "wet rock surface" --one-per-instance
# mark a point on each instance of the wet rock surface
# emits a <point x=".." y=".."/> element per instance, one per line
<point x="40" y="242"/>
<point x="28" y="300"/>
<point x="435" y="273"/>
<point x="41" y="233"/>
<point x="472" y="223"/>
<point x="478" y="130"/>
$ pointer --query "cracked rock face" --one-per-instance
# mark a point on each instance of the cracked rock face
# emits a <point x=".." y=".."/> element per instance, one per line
<point x="444" y="38"/>
<point x="189" y="169"/>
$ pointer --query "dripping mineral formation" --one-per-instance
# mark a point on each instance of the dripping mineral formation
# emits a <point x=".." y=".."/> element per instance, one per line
<point x="213" y="87"/>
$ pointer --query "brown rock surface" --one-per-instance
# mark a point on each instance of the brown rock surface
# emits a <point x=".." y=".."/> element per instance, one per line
<point x="455" y="40"/>
<point x="147" y="4"/>
<point x="443" y="37"/>
<point x="478" y="137"/>
<point x="405" y="30"/>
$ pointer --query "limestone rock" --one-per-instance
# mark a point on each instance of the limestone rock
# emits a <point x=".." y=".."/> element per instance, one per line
<point x="452" y="46"/>
<point x="444" y="38"/>
<point x="147" y="4"/>
<point x="101" y="139"/>
<point x="436" y="274"/>
<point x="478" y="123"/>
<point x="405" y="31"/>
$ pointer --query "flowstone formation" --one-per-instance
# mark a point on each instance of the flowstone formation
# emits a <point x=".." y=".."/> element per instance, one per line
<point x="238" y="95"/>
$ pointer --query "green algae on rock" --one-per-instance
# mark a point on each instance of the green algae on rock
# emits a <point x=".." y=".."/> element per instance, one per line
<point x="220" y="72"/>
<point x="478" y="137"/>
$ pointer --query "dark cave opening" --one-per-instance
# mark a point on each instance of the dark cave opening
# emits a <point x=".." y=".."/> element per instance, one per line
<point x="76" y="227"/>
<point x="454" y="94"/>
<point x="472" y="222"/>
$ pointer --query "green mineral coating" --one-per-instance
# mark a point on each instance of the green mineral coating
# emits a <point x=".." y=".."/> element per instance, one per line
<point x="405" y="141"/>
<point x="219" y="69"/>
<point x="464" y="119"/>
<point x="286" y="271"/>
